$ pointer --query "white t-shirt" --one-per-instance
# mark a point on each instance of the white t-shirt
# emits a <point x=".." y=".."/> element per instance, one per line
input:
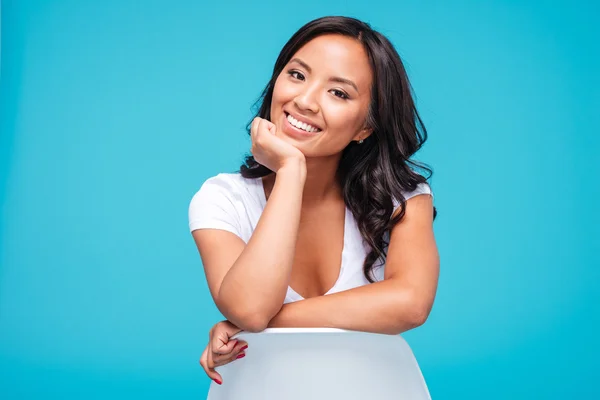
<point x="233" y="203"/>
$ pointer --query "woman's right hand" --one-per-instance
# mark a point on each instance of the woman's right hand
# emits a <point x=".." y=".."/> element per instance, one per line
<point x="270" y="150"/>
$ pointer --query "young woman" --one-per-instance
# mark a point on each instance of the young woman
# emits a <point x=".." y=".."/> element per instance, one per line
<point x="326" y="224"/>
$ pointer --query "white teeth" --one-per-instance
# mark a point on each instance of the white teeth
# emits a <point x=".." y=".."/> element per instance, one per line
<point x="301" y="125"/>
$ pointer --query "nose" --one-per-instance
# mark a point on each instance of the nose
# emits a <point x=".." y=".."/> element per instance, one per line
<point x="306" y="100"/>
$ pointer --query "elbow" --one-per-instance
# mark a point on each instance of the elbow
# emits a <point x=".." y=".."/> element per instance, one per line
<point x="254" y="323"/>
<point x="412" y="317"/>
<point x="249" y="320"/>
<point x="419" y="319"/>
<point x="419" y="313"/>
<point x="248" y="314"/>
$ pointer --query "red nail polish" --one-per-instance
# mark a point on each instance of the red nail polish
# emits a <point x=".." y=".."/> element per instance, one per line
<point x="244" y="348"/>
<point x="240" y="356"/>
<point x="218" y="381"/>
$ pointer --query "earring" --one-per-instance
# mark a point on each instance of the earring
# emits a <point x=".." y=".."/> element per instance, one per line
<point x="360" y="141"/>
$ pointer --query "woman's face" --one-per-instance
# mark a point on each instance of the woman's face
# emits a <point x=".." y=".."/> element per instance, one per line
<point x="321" y="98"/>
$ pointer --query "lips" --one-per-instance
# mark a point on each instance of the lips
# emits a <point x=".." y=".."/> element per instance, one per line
<point x="296" y="118"/>
<point x="295" y="132"/>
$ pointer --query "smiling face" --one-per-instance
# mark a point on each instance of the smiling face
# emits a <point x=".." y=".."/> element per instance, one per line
<point x="321" y="98"/>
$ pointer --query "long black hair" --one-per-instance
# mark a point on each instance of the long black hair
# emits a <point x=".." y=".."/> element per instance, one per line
<point x="373" y="173"/>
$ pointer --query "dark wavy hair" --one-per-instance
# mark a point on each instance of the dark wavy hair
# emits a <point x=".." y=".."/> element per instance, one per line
<point x="373" y="173"/>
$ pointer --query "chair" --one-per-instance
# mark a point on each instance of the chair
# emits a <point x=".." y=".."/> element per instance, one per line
<point x="321" y="363"/>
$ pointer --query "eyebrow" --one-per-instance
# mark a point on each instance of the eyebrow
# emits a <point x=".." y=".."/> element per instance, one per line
<point x="332" y="79"/>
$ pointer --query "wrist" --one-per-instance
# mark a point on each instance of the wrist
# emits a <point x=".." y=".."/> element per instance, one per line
<point x="294" y="168"/>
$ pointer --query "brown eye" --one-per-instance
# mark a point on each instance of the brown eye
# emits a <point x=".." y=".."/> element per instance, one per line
<point x="296" y="74"/>
<point x="340" y="94"/>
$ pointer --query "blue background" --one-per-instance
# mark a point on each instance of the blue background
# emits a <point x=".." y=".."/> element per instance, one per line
<point x="113" y="113"/>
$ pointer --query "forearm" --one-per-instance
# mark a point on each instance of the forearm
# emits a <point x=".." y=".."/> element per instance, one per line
<point x="382" y="307"/>
<point x="259" y="278"/>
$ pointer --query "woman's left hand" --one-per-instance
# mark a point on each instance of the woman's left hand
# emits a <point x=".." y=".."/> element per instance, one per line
<point x="220" y="349"/>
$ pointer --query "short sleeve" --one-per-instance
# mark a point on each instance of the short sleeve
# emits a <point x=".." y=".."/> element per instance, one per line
<point x="213" y="207"/>
<point x="422" y="188"/>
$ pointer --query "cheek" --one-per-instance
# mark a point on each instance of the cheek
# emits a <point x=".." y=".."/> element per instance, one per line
<point x="344" y="119"/>
<point x="282" y="91"/>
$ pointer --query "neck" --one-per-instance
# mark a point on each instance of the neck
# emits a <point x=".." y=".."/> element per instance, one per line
<point x="321" y="180"/>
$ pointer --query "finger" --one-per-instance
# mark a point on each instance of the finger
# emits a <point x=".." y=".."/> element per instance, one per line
<point x="210" y="363"/>
<point x="237" y="353"/>
<point x="231" y="359"/>
<point x="211" y="367"/>
<point x="220" y="359"/>
<point x="212" y="374"/>
<point x="220" y="343"/>
<point x="260" y="126"/>
<point x="241" y="345"/>
<point x="254" y="127"/>
<point x="271" y="127"/>
<point x="265" y="126"/>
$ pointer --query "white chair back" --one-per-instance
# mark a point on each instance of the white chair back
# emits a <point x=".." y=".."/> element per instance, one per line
<point x="321" y="363"/>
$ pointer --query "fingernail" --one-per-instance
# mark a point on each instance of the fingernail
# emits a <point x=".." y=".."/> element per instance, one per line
<point x="241" y="356"/>
<point x="218" y="381"/>
<point x="244" y="348"/>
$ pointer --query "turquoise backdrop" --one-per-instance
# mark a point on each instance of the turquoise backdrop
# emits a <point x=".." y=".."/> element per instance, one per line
<point x="113" y="113"/>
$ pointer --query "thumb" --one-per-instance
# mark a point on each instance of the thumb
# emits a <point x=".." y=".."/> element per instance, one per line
<point x="231" y="329"/>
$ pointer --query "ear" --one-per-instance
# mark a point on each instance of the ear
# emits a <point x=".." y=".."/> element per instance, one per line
<point x="363" y="134"/>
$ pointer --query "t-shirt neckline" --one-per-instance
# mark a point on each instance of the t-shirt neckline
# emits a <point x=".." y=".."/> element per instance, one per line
<point x="263" y="203"/>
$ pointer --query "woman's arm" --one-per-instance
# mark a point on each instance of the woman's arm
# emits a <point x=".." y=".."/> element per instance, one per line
<point x="402" y="301"/>
<point x="248" y="282"/>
